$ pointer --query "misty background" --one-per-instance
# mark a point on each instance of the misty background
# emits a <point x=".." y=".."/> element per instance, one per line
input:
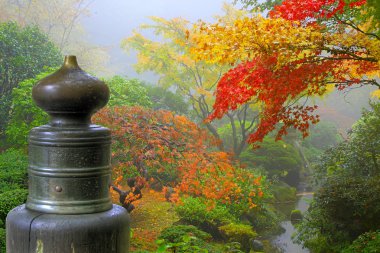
<point x="111" y="21"/>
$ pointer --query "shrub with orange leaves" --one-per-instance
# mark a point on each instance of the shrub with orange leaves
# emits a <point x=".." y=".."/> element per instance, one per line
<point x="170" y="149"/>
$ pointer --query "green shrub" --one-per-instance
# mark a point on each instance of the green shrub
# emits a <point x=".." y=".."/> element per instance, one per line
<point x="174" y="233"/>
<point x="13" y="159"/>
<point x="12" y="180"/>
<point x="13" y="167"/>
<point x="283" y="193"/>
<point x="11" y="199"/>
<point x="25" y="114"/>
<point x="365" y="243"/>
<point x="232" y="247"/>
<point x="2" y="240"/>
<point x="240" y="233"/>
<point x="195" y="211"/>
<point x="185" y="244"/>
<point x="129" y="92"/>
<point x="344" y="208"/>
<point x="347" y="203"/>
<point x="296" y="215"/>
<point x="280" y="159"/>
<point x="266" y="220"/>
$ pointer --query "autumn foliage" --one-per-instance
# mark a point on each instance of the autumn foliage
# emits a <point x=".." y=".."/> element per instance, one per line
<point x="313" y="10"/>
<point x="171" y="150"/>
<point x="303" y="49"/>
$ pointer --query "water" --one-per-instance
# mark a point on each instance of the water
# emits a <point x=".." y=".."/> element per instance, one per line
<point x="284" y="241"/>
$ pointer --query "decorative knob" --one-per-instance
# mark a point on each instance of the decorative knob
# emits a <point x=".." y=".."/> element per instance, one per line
<point x="70" y="96"/>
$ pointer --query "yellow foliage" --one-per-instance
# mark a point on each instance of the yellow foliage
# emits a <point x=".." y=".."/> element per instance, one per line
<point x="290" y="42"/>
<point x="376" y="93"/>
<point x="248" y="38"/>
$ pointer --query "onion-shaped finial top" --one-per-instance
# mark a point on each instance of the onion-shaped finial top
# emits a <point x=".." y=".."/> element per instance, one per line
<point x="70" y="95"/>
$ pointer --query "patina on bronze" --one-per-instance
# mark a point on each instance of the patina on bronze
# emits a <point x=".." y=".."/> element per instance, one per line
<point x="69" y="208"/>
<point x="70" y="95"/>
<point x="69" y="161"/>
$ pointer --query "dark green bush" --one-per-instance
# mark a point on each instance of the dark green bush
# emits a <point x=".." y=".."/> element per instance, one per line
<point x="240" y="233"/>
<point x="232" y="247"/>
<point x="174" y="233"/>
<point x="280" y="160"/>
<point x="184" y="238"/>
<point x="2" y="240"/>
<point x="186" y="244"/>
<point x="11" y="199"/>
<point x="343" y="209"/>
<point x="13" y="167"/>
<point x="266" y="220"/>
<point x="296" y="215"/>
<point x="366" y="243"/>
<point x="12" y="180"/>
<point x="196" y="212"/>
<point x="283" y="193"/>
<point x="347" y="204"/>
<point x="353" y="204"/>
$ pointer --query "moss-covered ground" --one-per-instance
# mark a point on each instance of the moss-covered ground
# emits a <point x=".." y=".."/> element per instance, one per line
<point x="151" y="215"/>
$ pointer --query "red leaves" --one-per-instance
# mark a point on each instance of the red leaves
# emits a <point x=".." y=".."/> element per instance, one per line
<point x="311" y="10"/>
<point x="273" y="88"/>
<point x="303" y="47"/>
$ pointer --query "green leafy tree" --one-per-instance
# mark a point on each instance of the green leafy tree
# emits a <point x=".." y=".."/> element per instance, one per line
<point x="322" y="136"/>
<point x="167" y="100"/>
<point x="366" y="243"/>
<point x="280" y="160"/>
<point x="24" y="52"/>
<point x="24" y="114"/>
<point x="344" y="208"/>
<point x="127" y="92"/>
<point x="359" y="155"/>
<point x="347" y="203"/>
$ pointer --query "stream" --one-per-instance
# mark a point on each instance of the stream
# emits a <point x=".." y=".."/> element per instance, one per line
<point x="284" y="241"/>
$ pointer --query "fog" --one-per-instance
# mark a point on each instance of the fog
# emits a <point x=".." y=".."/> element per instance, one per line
<point x="113" y="20"/>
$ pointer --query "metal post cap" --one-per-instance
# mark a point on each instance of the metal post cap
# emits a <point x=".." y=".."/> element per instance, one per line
<point x="70" y="95"/>
<point x="69" y="159"/>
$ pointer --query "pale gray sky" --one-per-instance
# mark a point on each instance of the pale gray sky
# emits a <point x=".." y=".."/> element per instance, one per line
<point x="112" y="20"/>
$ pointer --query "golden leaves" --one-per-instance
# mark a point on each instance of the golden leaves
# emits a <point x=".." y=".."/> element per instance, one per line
<point x="376" y="93"/>
<point x="248" y="38"/>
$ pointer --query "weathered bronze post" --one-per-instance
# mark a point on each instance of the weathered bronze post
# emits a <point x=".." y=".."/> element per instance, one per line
<point x="69" y="207"/>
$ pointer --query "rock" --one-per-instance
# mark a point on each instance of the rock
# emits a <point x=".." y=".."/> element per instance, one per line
<point x="296" y="216"/>
<point x="257" y="245"/>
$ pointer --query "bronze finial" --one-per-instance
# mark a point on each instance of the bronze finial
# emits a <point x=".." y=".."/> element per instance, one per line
<point x="70" y="95"/>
